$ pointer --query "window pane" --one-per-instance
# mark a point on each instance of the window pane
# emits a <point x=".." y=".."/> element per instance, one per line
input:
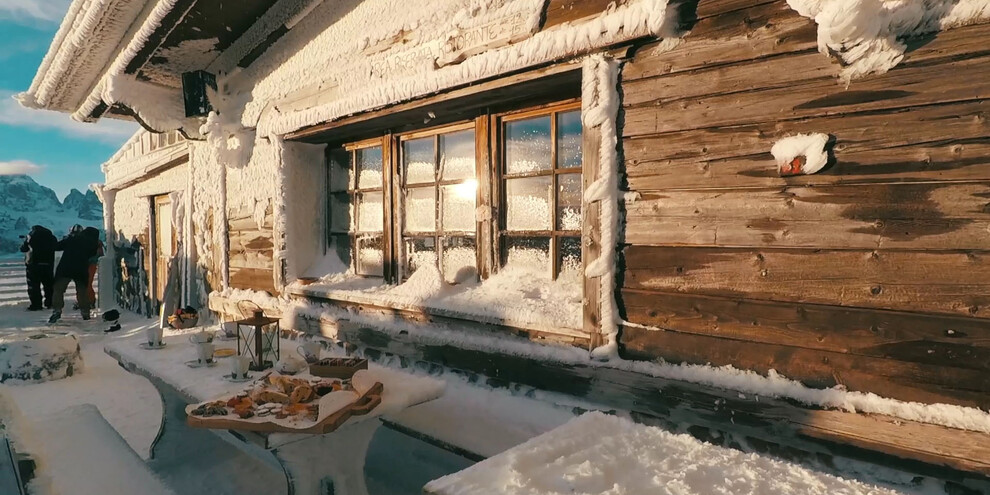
<point x="569" y="259"/>
<point x="458" y="206"/>
<point x="370" y="213"/>
<point x="370" y="256"/>
<point x="419" y="158"/>
<point x="340" y="212"/>
<point x="528" y="254"/>
<point x="569" y="202"/>
<point x="529" y="203"/>
<point x="341" y="246"/>
<point x="420" y="251"/>
<point x="569" y="139"/>
<point x="341" y="175"/>
<point x="421" y="210"/>
<point x="527" y="145"/>
<point x="369" y="164"/>
<point x="457" y="154"/>
<point x="459" y="260"/>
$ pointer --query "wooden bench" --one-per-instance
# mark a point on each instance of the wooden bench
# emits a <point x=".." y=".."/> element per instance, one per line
<point x="82" y="454"/>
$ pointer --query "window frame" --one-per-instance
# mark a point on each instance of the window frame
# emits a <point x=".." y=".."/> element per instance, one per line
<point x="490" y="228"/>
<point x="439" y="232"/>
<point x="555" y="234"/>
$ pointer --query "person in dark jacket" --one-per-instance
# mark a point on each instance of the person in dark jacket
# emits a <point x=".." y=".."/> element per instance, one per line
<point x="94" y="263"/>
<point x="77" y="248"/>
<point x="39" y="260"/>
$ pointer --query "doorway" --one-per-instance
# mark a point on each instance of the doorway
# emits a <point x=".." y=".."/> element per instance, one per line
<point x="165" y="243"/>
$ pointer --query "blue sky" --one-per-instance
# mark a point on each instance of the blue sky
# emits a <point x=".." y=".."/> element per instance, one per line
<point x="49" y="146"/>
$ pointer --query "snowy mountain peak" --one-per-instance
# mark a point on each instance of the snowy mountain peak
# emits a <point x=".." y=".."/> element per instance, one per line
<point x="24" y="202"/>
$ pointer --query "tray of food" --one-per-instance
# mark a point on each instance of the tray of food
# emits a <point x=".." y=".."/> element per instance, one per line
<point x="338" y="367"/>
<point x="279" y="403"/>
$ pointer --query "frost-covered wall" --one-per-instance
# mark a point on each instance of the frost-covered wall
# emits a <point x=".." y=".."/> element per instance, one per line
<point x="349" y="57"/>
<point x="131" y="208"/>
<point x="304" y="221"/>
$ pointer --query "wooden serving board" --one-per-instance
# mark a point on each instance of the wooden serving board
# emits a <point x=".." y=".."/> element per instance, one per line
<point x="363" y="405"/>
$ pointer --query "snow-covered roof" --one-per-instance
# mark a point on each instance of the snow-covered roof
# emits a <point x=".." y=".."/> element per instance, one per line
<point x="90" y="36"/>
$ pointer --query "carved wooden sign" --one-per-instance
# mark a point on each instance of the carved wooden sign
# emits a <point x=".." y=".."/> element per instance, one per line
<point x="462" y="44"/>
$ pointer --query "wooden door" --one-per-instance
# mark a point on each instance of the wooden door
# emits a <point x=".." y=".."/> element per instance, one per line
<point x="165" y="243"/>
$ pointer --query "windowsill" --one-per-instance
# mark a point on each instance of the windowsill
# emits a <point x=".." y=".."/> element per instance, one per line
<point x="529" y="304"/>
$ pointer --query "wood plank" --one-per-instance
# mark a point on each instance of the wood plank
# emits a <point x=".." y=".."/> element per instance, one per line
<point x="763" y="73"/>
<point x="765" y="30"/>
<point x="952" y="160"/>
<point x="261" y="260"/>
<point x="914" y="86"/>
<point x="930" y="339"/>
<point x="929" y="449"/>
<point x="819" y="369"/>
<point x="591" y="238"/>
<point x="949" y="282"/>
<point x="935" y="216"/>
<point x="740" y="156"/>
<point x="561" y="11"/>
<point x="252" y="278"/>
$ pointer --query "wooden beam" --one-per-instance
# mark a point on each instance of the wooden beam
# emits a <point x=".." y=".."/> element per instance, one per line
<point x="552" y="83"/>
<point x="591" y="237"/>
<point x="157" y="38"/>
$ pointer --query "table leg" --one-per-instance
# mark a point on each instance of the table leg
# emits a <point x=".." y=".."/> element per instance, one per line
<point x="331" y="464"/>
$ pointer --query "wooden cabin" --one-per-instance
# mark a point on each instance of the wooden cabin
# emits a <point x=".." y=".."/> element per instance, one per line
<point x="591" y="175"/>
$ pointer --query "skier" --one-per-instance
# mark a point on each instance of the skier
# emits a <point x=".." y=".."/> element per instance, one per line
<point x="39" y="260"/>
<point x="77" y="248"/>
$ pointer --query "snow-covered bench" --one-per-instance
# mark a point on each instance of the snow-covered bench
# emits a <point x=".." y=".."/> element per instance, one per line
<point x="79" y="453"/>
<point x="477" y="423"/>
<point x="596" y="453"/>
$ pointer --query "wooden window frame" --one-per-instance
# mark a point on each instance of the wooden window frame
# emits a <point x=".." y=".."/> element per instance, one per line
<point x="490" y="232"/>
<point x="439" y="232"/>
<point x="555" y="234"/>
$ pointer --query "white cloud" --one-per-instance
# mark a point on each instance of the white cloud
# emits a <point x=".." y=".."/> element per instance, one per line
<point x="106" y="130"/>
<point x="46" y="11"/>
<point x="19" y="167"/>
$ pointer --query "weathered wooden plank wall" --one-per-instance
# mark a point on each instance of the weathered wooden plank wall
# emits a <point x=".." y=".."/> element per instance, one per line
<point x="873" y="274"/>
<point x="251" y="250"/>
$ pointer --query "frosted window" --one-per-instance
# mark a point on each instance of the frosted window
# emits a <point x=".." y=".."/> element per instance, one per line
<point x="569" y="202"/>
<point x="528" y="145"/>
<point x="529" y="203"/>
<point x="340" y="212"/>
<point x="341" y="175"/>
<point x="341" y="245"/>
<point x="528" y="254"/>
<point x="419" y="158"/>
<point x="370" y="213"/>
<point x="569" y="260"/>
<point x="457" y="155"/>
<point x="459" y="259"/>
<point x="420" y="251"/>
<point x="458" y="206"/>
<point x="420" y="210"/>
<point x="370" y="256"/>
<point x="369" y="164"/>
<point x="569" y="139"/>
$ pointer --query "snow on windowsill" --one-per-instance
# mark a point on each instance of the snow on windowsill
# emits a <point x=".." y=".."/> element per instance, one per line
<point x="514" y="298"/>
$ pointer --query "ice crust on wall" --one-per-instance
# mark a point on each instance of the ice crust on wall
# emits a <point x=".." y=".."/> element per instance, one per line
<point x="867" y="35"/>
<point x="600" y="101"/>
<point x="811" y="146"/>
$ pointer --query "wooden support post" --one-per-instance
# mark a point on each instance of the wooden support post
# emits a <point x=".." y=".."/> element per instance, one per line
<point x="591" y="247"/>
